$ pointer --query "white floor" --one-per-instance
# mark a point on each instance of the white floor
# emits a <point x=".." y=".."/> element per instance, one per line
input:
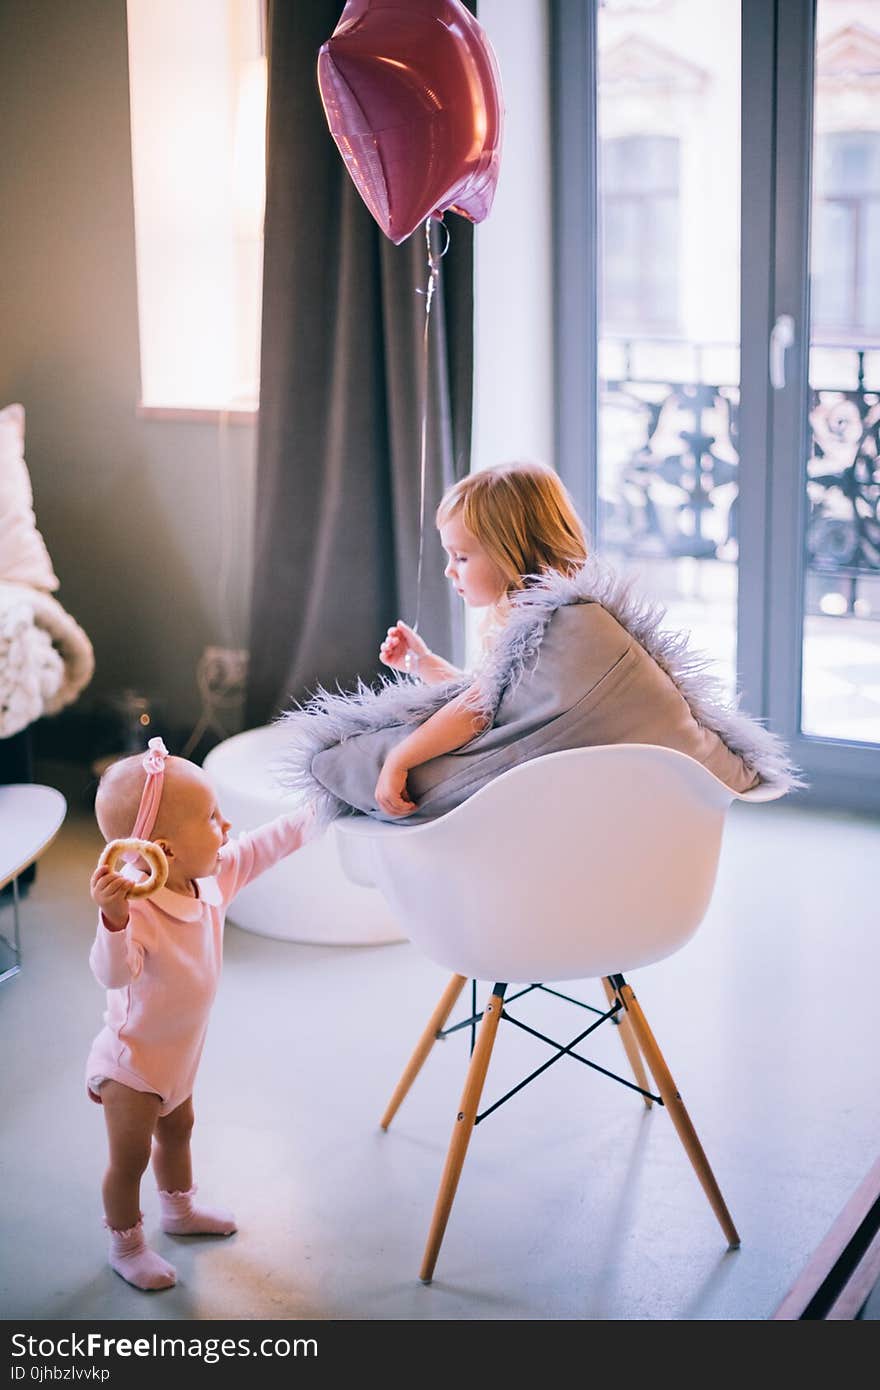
<point x="575" y="1202"/>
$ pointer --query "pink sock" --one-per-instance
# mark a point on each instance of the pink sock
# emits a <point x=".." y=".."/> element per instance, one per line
<point x="131" y="1257"/>
<point x="180" y="1217"/>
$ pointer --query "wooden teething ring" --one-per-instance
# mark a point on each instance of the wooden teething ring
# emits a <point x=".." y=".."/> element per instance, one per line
<point x="154" y="855"/>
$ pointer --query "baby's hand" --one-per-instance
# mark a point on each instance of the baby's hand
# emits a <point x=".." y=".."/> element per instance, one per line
<point x="391" y="794"/>
<point x="402" y="647"/>
<point x="111" y="891"/>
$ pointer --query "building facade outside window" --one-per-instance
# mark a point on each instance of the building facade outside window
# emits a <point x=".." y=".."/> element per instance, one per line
<point x="640" y="233"/>
<point x="846" y="235"/>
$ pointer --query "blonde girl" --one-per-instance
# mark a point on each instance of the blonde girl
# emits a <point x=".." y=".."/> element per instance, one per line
<point x="500" y="528"/>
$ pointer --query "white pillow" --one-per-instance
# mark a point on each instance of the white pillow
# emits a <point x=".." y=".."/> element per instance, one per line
<point x="24" y="558"/>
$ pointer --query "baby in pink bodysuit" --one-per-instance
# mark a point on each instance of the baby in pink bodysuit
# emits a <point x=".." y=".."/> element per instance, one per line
<point x="159" y="958"/>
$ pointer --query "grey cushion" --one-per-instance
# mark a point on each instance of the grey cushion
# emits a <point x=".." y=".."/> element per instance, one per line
<point x="581" y="661"/>
<point x="592" y="684"/>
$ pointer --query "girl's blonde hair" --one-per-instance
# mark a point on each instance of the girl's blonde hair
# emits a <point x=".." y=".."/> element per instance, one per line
<point x="523" y="517"/>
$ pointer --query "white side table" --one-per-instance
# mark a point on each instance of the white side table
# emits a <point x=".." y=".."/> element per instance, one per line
<point x="30" y="818"/>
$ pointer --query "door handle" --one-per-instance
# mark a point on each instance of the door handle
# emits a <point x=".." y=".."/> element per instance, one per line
<point x="781" y="338"/>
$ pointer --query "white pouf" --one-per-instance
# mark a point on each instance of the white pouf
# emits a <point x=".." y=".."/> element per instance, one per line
<point x="307" y="896"/>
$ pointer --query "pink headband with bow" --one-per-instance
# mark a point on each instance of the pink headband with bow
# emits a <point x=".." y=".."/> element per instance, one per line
<point x="154" y="763"/>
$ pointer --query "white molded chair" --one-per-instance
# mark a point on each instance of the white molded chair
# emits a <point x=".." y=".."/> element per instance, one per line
<point x="585" y="863"/>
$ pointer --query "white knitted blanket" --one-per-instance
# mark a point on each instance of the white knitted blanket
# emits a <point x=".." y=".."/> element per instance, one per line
<point x="45" y="657"/>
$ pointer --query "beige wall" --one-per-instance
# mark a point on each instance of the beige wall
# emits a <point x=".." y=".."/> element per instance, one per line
<point x="513" y="328"/>
<point x="132" y="510"/>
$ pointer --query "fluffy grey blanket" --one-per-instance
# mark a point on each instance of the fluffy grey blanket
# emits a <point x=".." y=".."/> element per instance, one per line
<point x="328" y="719"/>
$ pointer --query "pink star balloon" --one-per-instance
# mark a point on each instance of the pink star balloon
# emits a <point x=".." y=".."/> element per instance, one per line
<point x="412" y="96"/>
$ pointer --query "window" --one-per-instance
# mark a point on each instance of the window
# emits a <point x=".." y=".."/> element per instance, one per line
<point x="640" y="211"/>
<point x="197" y="82"/>
<point x="846" y="235"/>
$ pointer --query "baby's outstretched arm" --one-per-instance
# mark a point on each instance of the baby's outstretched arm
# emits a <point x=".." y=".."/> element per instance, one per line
<point x="250" y="854"/>
<point x="452" y="726"/>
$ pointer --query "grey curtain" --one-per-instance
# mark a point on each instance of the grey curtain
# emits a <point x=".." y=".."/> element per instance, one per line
<point x="337" y="510"/>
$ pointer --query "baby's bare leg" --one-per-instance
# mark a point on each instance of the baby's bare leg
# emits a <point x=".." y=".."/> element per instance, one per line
<point x="172" y="1164"/>
<point x="130" y="1117"/>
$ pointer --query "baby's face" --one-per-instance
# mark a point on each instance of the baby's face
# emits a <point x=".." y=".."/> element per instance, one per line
<point x="194" y="827"/>
<point x="470" y="568"/>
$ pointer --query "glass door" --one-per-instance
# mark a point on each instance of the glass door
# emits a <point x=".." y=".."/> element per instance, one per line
<point x="668" y="214"/>
<point x="823" y="601"/>
<point x="840" y="694"/>
<point x="717" y="254"/>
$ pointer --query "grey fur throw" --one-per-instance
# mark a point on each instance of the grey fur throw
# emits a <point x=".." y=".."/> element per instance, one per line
<point x="580" y="661"/>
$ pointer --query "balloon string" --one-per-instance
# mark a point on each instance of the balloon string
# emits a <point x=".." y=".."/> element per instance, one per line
<point x="433" y="276"/>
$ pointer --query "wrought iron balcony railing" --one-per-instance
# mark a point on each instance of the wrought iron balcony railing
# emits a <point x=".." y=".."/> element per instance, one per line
<point x="670" y="444"/>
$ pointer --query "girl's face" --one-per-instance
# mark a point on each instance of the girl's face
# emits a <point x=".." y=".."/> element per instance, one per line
<point x="470" y="568"/>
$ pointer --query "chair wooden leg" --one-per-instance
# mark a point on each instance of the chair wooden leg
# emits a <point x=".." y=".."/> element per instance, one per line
<point x="630" y="1046"/>
<point x="679" y="1116"/>
<point x="464" y="1125"/>
<point x="424" y="1045"/>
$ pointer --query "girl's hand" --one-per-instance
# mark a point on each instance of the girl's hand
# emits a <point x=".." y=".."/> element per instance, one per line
<point x="111" y="891"/>
<point x="391" y="794"/>
<point x="400" y="643"/>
